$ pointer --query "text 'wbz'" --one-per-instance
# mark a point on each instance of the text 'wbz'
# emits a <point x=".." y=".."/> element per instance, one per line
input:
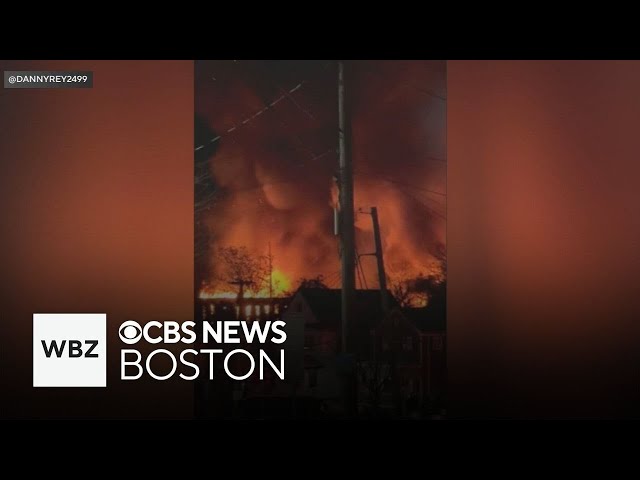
<point x="162" y="364"/>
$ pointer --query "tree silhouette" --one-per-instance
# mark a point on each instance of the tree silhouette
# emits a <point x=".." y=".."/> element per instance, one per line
<point x="417" y="291"/>
<point x="237" y="266"/>
<point x="374" y="377"/>
<point x="314" y="282"/>
<point x="410" y="292"/>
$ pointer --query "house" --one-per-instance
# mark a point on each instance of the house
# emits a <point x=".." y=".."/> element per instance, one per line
<point x="314" y="322"/>
<point x="407" y="368"/>
<point x="221" y="396"/>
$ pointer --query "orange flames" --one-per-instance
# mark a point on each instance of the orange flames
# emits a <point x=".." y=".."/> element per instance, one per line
<point x="280" y="285"/>
<point x="275" y="186"/>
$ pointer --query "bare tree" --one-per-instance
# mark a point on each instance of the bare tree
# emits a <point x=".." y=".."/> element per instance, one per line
<point x="237" y="266"/>
<point x="374" y="376"/>
<point x="315" y="282"/>
<point x="410" y="292"/>
<point x="416" y="291"/>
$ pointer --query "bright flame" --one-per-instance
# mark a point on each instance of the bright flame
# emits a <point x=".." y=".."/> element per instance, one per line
<point x="280" y="284"/>
<point x="264" y="197"/>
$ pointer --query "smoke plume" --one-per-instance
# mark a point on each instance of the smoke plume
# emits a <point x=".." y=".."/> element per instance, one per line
<point x="276" y="160"/>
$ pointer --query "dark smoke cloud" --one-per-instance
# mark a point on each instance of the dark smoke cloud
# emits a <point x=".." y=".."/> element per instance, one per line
<point x="274" y="172"/>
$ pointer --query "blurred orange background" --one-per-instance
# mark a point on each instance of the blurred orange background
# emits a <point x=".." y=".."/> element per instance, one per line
<point x="96" y="188"/>
<point x="543" y="237"/>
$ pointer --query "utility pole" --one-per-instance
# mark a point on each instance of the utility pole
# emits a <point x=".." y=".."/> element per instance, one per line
<point x="241" y="283"/>
<point x="348" y="248"/>
<point x="382" y="277"/>
<point x="384" y="298"/>
<point x="347" y="230"/>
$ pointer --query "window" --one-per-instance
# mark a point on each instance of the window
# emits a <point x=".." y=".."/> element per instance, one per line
<point x="407" y="344"/>
<point x="299" y="307"/>
<point x="385" y="346"/>
<point x="437" y="343"/>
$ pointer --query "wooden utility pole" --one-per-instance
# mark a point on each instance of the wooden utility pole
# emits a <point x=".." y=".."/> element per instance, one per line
<point x="382" y="276"/>
<point x="348" y="249"/>
<point x="347" y="229"/>
<point x="241" y="283"/>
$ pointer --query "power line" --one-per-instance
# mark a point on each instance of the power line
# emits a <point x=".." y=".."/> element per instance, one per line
<point x="276" y="182"/>
<point x="268" y="105"/>
<point x="286" y="126"/>
<point x="255" y="114"/>
<point x="408" y="185"/>
<point x="333" y="279"/>
<point x="360" y="271"/>
<point x="414" y="197"/>
<point x="425" y="206"/>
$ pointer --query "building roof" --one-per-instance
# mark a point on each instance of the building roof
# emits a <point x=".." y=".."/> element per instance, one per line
<point x="326" y="304"/>
<point x="424" y="320"/>
<point x="433" y="317"/>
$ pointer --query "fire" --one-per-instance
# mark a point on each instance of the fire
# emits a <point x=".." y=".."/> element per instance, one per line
<point x="207" y="294"/>
<point x="281" y="283"/>
<point x="272" y="196"/>
<point x="280" y="286"/>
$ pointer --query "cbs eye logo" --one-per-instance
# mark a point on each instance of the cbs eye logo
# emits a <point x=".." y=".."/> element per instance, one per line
<point x="130" y="332"/>
<point x="156" y="332"/>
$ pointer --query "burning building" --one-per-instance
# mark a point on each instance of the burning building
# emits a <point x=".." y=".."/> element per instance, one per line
<point x="266" y="164"/>
<point x="275" y="160"/>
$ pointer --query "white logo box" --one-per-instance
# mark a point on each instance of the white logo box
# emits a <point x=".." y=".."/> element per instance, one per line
<point x="75" y="359"/>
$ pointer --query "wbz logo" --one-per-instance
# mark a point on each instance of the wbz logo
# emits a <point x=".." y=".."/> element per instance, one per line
<point x="69" y="350"/>
<point x="75" y="348"/>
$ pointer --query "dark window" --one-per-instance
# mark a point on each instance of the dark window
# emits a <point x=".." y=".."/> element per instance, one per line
<point x="299" y="307"/>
